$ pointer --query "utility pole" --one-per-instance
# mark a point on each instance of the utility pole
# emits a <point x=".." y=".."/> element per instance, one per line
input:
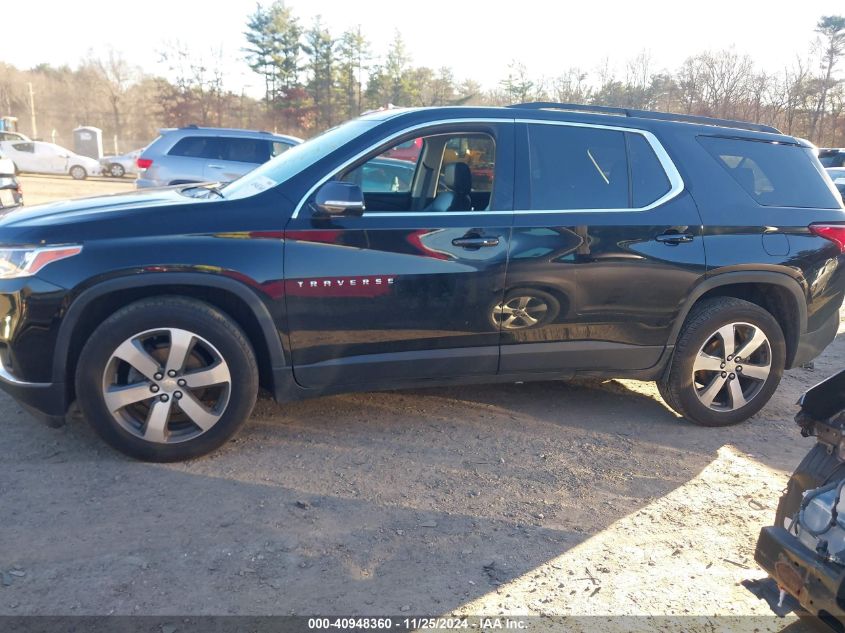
<point x="32" y="110"/>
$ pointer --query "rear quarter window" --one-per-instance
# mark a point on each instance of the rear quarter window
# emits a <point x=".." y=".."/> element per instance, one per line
<point x="773" y="174"/>
<point x="245" y="150"/>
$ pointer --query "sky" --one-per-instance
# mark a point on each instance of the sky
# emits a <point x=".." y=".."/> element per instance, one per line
<point x="478" y="39"/>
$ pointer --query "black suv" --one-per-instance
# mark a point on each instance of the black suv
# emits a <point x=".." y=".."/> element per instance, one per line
<point x="535" y="242"/>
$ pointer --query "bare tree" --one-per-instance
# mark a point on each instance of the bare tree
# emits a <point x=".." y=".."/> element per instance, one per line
<point x="117" y="75"/>
<point x="726" y="76"/>
<point x="796" y="93"/>
<point x="831" y="28"/>
<point x="571" y="87"/>
<point x="690" y="80"/>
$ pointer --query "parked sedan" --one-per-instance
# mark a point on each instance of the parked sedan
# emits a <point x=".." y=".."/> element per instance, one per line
<point x="40" y="157"/>
<point x="119" y="166"/>
<point x="10" y="189"/>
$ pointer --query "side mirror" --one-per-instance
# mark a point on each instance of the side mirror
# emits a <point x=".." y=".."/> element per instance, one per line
<point x="339" y="198"/>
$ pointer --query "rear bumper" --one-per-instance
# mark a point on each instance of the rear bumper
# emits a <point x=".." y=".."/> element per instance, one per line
<point x="811" y="344"/>
<point x="816" y="584"/>
<point x="46" y="401"/>
<point x="147" y="183"/>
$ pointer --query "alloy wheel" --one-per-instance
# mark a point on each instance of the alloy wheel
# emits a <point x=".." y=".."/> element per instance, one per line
<point x="166" y="385"/>
<point x="732" y="367"/>
<point x="520" y="312"/>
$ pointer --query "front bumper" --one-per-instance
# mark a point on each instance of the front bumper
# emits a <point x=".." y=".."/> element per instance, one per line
<point x="29" y="311"/>
<point x="46" y="401"/>
<point x="816" y="584"/>
<point x="811" y="344"/>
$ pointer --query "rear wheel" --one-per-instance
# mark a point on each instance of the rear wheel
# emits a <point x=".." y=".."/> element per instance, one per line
<point x="117" y="170"/>
<point x="727" y="363"/>
<point x="77" y="172"/>
<point x="167" y="379"/>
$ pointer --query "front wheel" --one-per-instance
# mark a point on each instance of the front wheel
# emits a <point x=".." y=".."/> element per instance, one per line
<point x="727" y="363"/>
<point x="523" y="308"/>
<point x="77" y="172"/>
<point x="167" y="379"/>
<point x="117" y="171"/>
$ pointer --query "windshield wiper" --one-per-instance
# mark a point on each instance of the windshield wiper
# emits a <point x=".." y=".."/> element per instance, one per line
<point x="213" y="188"/>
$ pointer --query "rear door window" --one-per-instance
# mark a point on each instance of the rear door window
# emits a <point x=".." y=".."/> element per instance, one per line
<point x="198" y="147"/>
<point x="773" y="174"/>
<point x="577" y="168"/>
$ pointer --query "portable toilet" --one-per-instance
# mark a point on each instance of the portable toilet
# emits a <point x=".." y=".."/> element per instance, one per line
<point x="88" y="141"/>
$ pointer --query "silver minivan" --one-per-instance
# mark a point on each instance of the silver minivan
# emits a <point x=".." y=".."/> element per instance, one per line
<point x="207" y="154"/>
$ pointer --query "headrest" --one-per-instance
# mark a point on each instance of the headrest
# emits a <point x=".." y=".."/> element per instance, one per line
<point x="458" y="177"/>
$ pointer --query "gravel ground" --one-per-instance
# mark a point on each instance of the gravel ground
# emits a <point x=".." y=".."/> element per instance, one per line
<point x="38" y="189"/>
<point x="588" y="498"/>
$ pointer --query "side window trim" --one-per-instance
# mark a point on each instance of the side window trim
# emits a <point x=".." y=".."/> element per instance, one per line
<point x="386" y="141"/>
<point x="672" y="173"/>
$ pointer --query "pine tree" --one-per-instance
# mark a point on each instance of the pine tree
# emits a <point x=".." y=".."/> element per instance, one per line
<point x="353" y="54"/>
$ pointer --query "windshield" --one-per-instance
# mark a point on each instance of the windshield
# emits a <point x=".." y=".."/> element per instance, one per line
<point x="294" y="160"/>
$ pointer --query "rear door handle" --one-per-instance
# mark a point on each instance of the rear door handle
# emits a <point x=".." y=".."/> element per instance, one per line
<point x="675" y="238"/>
<point x="215" y="167"/>
<point x="475" y="242"/>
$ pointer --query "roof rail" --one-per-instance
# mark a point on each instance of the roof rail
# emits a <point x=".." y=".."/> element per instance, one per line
<point x="646" y="114"/>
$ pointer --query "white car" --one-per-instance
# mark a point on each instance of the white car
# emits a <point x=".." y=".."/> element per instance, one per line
<point x="6" y="135"/>
<point x="48" y="158"/>
<point x="10" y="189"/>
<point x="7" y="167"/>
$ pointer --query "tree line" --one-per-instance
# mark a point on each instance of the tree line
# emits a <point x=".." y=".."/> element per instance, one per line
<point x="312" y="79"/>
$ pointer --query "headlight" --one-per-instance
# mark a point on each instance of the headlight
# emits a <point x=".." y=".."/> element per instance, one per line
<point x="25" y="262"/>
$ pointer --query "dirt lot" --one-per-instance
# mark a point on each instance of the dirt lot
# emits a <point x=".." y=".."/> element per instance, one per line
<point x="38" y="189"/>
<point x="545" y="498"/>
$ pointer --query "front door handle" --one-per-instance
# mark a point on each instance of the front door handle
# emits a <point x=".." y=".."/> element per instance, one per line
<point x="475" y="242"/>
<point x="216" y="167"/>
<point x="675" y="238"/>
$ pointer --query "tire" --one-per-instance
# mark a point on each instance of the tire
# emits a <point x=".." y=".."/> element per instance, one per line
<point x="117" y="171"/>
<point x="159" y="416"/>
<point x="703" y="366"/>
<point x="77" y="172"/>
<point x="528" y="308"/>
